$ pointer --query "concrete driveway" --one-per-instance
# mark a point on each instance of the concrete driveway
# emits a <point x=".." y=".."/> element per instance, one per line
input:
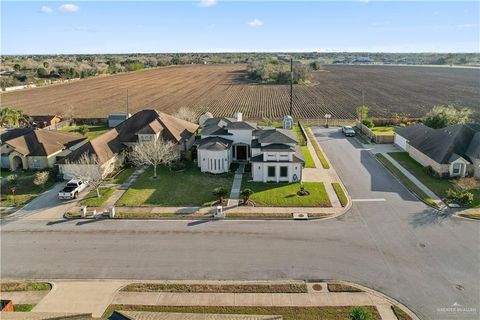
<point x="388" y="241"/>
<point x="47" y="206"/>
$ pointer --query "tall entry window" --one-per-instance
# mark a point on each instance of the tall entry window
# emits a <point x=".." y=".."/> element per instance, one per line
<point x="283" y="172"/>
<point x="271" y="172"/>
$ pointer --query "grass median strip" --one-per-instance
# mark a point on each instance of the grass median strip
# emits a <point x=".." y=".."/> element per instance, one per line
<point x="24" y="286"/>
<point x="340" y="287"/>
<point x="400" y="314"/>
<point x="406" y="182"/>
<point x="342" y="197"/>
<point x="23" y="307"/>
<point x="217" y="288"/>
<point x="288" y="313"/>
<point x="318" y="151"/>
<point x="309" y="163"/>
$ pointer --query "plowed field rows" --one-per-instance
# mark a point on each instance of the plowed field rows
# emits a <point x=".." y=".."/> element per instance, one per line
<point x="222" y="90"/>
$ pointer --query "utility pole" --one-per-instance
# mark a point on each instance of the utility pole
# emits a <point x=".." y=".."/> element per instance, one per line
<point x="363" y="98"/>
<point x="127" y="103"/>
<point x="291" y="86"/>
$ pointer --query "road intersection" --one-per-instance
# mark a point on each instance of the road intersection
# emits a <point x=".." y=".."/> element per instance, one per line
<point x="398" y="246"/>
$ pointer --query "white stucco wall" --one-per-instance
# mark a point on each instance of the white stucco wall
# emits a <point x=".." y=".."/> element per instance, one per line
<point x="214" y="161"/>
<point x="260" y="171"/>
<point x="400" y="141"/>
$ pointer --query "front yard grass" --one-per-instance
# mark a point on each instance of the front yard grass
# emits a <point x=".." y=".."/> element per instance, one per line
<point x="309" y="163"/>
<point x="217" y="288"/>
<point x="188" y="187"/>
<point x="383" y="130"/>
<point x="122" y="176"/>
<point x="94" y="130"/>
<point x="25" y="191"/>
<point x="25" y="286"/>
<point x="318" y="151"/>
<point x="405" y="181"/>
<point x="288" y="313"/>
<point x="439" y="186"/>
<point x="342" y="197"/>
<point x="91" y="199"/>
<point x="285" y="194"/>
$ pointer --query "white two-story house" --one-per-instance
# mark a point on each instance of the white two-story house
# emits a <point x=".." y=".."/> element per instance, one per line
<point x="273" y="153"/>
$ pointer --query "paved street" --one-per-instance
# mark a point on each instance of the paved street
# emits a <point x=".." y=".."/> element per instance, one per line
<point x="388" y="241"/>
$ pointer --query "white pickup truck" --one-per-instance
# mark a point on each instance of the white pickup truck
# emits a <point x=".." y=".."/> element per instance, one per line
<point x="72" y="189"/>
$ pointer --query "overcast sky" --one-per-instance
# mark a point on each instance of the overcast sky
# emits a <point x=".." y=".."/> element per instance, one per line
<point x="217" y="26"/>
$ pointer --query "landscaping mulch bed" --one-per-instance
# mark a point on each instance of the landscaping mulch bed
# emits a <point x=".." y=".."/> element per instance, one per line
<point x="288" y="313"/>
<point x="25" y="286"/>
<point x="339" y="287"/>
<point x="217" y="288"/>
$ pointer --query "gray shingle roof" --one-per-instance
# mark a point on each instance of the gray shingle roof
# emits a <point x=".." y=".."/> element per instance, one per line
<point x="473" y="150"/>
<point x="213" y="143"/>
<point x="278" y="147"/>
<point x="441" y="144"/>
<point x="241" y="125"/>
<point x="275" y="136"/>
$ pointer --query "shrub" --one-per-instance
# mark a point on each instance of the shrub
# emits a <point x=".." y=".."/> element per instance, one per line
<point x="368" y="123"/>
<point x="463" y="197"/>
<point x="83" y="130"/>
<point x="429" y="171"/>
<point x="246" y="193"/>
<point x="220" y="193"/>
<point x="41" y="178"/>
<point x="359" y="313"/>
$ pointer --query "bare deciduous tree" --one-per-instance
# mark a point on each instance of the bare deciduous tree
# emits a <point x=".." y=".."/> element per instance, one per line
<point x="89" y="169"/>
<point x="154" y="153"/>
<point x="41" y="178"/>
<point x="187" y="114"/>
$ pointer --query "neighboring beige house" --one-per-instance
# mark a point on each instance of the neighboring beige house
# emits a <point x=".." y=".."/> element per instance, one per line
<point x="452" y="151"/>
<point x="146" y="125"/>
<point x="26" y="148"/>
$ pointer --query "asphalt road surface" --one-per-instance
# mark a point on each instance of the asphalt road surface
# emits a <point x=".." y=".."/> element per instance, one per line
<point x="388" y="241"/>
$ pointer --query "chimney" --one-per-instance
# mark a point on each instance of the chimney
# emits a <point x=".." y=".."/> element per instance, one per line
<point x="239" y="116"/>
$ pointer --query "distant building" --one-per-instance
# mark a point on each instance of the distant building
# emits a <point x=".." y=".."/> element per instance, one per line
<point x="43" y="121"/>
<point x="114" y="119"/>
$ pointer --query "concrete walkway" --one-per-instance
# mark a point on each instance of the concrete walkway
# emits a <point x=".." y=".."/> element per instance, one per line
<point x="123" y="188"/>
<point x="80" y="297"/>
<point x="236" y="186"/>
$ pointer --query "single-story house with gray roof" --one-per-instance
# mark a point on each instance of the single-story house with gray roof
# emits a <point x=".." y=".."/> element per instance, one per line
<point x="453" y="151"/>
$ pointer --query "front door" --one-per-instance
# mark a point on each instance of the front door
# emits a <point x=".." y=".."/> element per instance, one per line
<point x="241" y="152"/>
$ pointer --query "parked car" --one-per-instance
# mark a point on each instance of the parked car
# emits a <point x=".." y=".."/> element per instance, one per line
<point x="348" y="131"/>
<point x="72" y="189"/>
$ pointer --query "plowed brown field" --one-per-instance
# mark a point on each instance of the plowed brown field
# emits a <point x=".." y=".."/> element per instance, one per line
<point x="222" y="90"/>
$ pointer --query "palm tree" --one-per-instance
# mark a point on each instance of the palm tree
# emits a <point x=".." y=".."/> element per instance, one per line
<point x="246" y="193"/>
<point x="220" y="193"/>
<point x="12" y="118"/>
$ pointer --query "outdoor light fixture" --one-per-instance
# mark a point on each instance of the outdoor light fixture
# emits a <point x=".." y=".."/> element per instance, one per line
<point x="327" y="116"/>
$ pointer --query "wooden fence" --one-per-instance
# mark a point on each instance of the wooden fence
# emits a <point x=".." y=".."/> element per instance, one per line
<point x="371" y="135"/>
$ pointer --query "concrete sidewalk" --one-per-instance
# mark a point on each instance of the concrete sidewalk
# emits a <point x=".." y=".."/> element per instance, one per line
<point x="236" y="186"/>
<point x="95" y="296"/>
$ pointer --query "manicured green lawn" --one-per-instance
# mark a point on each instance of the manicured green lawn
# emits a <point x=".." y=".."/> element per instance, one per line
<point x="298" y="132"/>
<point x="91" y="200"/>
<point x="405" y="181"/>
<point x="285" y="194"/>
<point x="288" y="313"/>
<point x="122" y="176"/>
<point x="189" y="187"/>
<point x="94" y="130"/>
<point x="309" y="163"/>
<point x="383" y="130"/>
<point x="437" y="185"/>
<point x="340" y="194"/>
<point x="25" y="191"/>
<point x="318" y="151"/>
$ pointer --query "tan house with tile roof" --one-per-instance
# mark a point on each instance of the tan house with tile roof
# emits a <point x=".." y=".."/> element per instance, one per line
<point x="25" y="148"/>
